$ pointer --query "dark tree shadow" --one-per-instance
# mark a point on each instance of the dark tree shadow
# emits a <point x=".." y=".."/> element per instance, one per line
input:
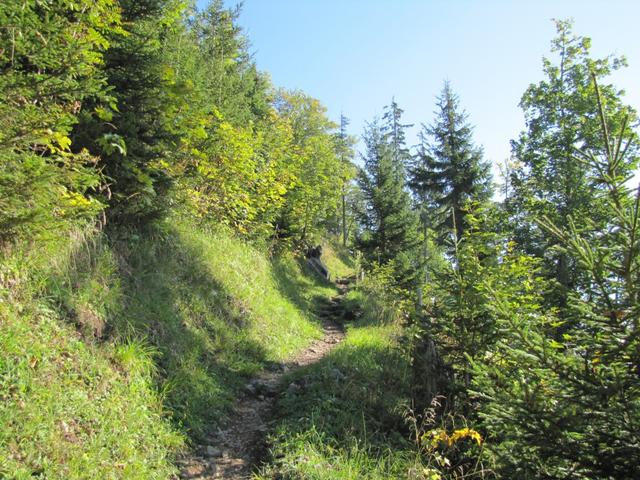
<point x="198" y="327"/>
<point x="163" y="295"/>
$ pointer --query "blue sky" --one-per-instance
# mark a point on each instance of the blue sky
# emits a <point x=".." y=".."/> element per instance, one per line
<point x="355" y="55"/>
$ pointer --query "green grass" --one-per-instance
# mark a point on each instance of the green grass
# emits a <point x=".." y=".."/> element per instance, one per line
<point x="337" y="259"/>
<point x="69" y="409"/>
<point x="311" y="456"/>
<point x="346" y="421"/>
<point x="116" y="349"/>
<point x="217" y="309"/>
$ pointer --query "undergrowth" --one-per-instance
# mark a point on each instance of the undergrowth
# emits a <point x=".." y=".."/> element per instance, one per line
<point x="351" y="415"/>
<point x="343" y="417"/>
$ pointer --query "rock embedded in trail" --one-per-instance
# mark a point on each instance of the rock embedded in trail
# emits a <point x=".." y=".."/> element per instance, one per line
<point x="250" y="389"/>
<point x="293" y="388"/>
<point x="261" y="388"/>
<point x="196" y="469"/>
<point x="213" y="451"/>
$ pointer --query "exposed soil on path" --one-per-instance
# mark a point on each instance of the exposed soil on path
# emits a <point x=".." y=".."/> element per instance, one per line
<point x="234" y="450"/>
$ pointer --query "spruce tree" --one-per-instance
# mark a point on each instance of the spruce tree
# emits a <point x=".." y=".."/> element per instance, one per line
<point x="50" y="64"/>
<point x="449" y="170"/>
<point x="131" y="134"/>
<point x="568" y="406"/>
<point x="390" y="226"/>
<point x="345" y="152"/>
<point x="394" y="135"/>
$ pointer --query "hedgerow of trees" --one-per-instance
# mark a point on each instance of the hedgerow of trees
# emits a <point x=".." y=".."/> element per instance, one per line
<point x="130" y="109"/>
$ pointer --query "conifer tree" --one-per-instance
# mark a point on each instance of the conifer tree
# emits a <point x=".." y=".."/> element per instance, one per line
<point x="131" y="134"/>
<point x="50" y="57"/>
<point x="394" y="135"/>
<point x="344" y="149"/>
<point x="579" y="390"/>
<point x="449" y="169"/>
<point x="390" y="225"/>
<point x="229" y="74"/>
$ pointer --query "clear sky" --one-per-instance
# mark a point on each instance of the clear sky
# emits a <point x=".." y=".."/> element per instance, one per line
<point x="355" y="55"/>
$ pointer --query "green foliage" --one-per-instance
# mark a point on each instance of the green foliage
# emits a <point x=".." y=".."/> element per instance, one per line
<point x="245" y="159"/>
<point x="345" y="152"/>
<point x="382" y="300"/>
<point x="346" y="421"/>
<point x="389" y="226"/>
<point x="449" y="172"/>
<point x="227" y="72"/>
<point x="232" y="162"/>
<point x="131" y="132"/>
<point x="542" y="349"/>
<point x="459" y="317"/>
<point x="577" y="389"/>
<point x="50" y="58"/>
<point x="561" y="115"/>
<point x="240" y="175"/>
<point x="139" y="97"/>
<point x="319" y="171"/>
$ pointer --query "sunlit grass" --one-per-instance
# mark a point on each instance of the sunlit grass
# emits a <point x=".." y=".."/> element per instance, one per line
<point x="115" y="350"/>
<point x="68" y="408"/>
<point x="346" y="420"/>
<point x="337" y="258"/>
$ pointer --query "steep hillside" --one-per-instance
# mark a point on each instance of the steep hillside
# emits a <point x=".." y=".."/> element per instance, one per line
<point x="119" y="349"/>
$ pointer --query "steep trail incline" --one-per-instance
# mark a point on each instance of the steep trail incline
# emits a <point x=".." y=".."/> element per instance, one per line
<point x="234" y="450"/>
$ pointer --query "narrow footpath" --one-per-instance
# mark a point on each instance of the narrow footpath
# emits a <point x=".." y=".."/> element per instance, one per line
<point x="232" y="453"/>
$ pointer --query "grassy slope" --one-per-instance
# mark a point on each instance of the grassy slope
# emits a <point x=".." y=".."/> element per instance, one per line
<point x="217" y="310"/>
<point x="115" y="352"/>
<point x="68" y="408"/>
<point x="337" y="259"/>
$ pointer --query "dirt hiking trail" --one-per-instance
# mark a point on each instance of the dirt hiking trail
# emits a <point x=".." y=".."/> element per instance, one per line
<point x="232" y="453"/>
